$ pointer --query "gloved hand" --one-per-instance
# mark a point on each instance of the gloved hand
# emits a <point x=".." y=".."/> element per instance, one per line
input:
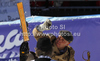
<point x="45" y="26"/>
<point x="24" y="51"/>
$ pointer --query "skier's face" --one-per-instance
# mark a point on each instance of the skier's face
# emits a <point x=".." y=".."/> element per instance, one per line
<point x="61" y="43"/>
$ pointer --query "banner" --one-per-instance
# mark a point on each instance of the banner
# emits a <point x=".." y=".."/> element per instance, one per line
<point x="9" y="11"/>
<point x="86" y="34"/>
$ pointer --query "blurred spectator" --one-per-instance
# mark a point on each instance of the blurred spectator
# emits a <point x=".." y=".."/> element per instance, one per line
<point x="65" y="3"/>
<point x="57" y="3"/>
<point x="98" y="3"/>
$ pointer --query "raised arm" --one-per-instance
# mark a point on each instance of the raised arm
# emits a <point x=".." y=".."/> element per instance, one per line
<point x="38" y="31"/>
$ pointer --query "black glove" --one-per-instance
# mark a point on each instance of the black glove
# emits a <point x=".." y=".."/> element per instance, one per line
<point x="24" y="51"/>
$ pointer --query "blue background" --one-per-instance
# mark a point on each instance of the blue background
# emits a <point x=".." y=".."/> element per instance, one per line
<point x="85" y="29"/>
